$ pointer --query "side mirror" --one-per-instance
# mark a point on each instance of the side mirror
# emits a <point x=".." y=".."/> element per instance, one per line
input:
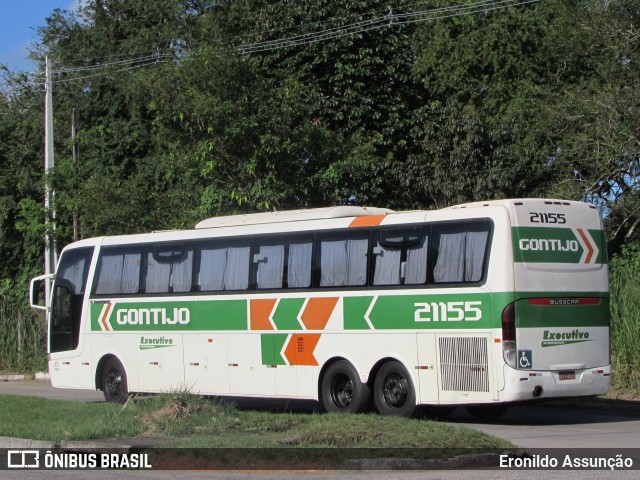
<point x="36" y="291"/>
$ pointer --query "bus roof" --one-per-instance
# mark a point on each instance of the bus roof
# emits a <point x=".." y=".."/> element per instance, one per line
<point x="291" y="216"/>
<point x="520" y="201"/>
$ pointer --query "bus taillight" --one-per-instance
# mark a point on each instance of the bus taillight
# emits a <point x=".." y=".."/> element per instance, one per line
<point x="509" y="334"/>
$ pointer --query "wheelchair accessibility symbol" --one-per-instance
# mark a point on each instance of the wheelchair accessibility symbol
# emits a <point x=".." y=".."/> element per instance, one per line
<point x="525" y="359"/>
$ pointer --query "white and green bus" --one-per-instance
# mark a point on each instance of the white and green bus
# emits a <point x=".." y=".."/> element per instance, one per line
<point x="483" y="304"/>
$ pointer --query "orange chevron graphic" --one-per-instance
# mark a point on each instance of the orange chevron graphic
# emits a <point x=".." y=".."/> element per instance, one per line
<point x="317" y="312"/>
<point x="104" y="319"/>
<point x="590" y="249"/>
<point x="260" y="311"/>
<point x="367" y="221"/>
<point x="299" y="350"/>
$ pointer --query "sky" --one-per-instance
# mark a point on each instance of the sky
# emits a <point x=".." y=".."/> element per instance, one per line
<point x="19" y="20"/>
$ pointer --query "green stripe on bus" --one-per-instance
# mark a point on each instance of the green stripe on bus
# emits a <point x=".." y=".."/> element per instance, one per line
<point x="422" y="312"/>
<point x="220" y="315"/>
<point x="555" y="245"/>
<point x="383" y="312"/>
<point x="286" y="314"/>
<point x="95" y="310"/>
<point x="171" y="316"/>
<point x="272" y="344"/>
<point x="354" y="310"/>
<point x="536" y="316"/>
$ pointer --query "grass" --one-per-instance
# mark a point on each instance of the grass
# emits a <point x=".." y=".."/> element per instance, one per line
<point x="625" y="325"/>
<point x="55" y="420"/>
<point x="22" y="337"/>
<point x="194" y="422"/>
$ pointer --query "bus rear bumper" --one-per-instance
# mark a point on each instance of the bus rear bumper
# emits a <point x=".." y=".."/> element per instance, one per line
<point x="523" y="385"/>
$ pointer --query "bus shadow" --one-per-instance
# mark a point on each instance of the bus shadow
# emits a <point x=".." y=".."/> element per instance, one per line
<point x="557" y="413"/>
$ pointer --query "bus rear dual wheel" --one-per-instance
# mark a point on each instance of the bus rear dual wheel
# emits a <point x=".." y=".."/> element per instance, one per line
<point x="393" y="391"/>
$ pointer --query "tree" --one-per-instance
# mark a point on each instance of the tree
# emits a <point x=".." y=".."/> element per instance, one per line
<point x="595" y="116"/>
<point x="21" y="213"/>
<point x="481" y="132"/>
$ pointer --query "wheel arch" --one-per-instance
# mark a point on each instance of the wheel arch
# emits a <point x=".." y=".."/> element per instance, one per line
<point x="99" y="369"/>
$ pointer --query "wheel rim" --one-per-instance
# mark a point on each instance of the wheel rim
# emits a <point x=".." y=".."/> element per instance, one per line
<point x="395" y="390"/>
<point x="341" y="390"/>
<point x="114" y="383"/>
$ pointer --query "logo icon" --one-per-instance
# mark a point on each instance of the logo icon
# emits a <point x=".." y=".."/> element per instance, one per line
<point x="525" y="359"/>
<point x="23" y="459"/>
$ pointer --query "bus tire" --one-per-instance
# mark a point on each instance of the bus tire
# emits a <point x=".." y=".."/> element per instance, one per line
<point x="487" y="412"/>
<point x="342" y="391"/>
<point x="393" y="391"/>
<point x="114" y="382"/>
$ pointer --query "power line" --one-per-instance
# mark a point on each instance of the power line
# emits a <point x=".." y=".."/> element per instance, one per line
<point x="154" y="56"/>
<point x="292" y="27"/>
<point x="387" y="20"/>
<point x="390" y="19"/>
<point x="133" y="67"/>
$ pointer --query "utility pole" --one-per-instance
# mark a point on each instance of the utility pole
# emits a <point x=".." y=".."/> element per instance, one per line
<point x="50" y="256"/>
<point x="75" y="150"/>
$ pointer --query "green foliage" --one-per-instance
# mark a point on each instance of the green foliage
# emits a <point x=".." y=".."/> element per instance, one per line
<point x="595" y="118"/>
<point x="22" y="333"/>
<point x="625" y="311"/>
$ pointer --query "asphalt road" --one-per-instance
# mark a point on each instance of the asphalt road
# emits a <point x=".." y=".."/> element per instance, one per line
<point x="554" y="427"/>
<point x="529" y="427"/>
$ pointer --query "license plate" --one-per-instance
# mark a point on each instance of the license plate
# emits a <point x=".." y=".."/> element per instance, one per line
<point x="567" y="375"/>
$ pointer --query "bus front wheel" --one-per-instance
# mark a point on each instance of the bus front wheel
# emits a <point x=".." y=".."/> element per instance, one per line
<point x="393" y="391"/>
<point x="114" y="382"/>
<point x="342" y="391"/>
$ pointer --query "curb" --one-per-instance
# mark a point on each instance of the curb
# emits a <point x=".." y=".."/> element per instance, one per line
<point x="478" y="460"/>
<point x="25" y="443"/>
<point x="14" y="378"/>
<point x="10" y="442"/>
<point x="19" y="377"/>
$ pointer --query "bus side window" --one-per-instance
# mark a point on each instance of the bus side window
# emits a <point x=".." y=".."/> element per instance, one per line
<point x="169" y="268"/>
<point x="460" y="253"/>
<point x="118" y="271"/>
<point x="299" y="264"/>
<point x="400" y="257"/>
<point x="343" y="261"/>
<point x="270" y="266"/>
<point x="283" y="265"/>
<point x="223" y="268"/>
